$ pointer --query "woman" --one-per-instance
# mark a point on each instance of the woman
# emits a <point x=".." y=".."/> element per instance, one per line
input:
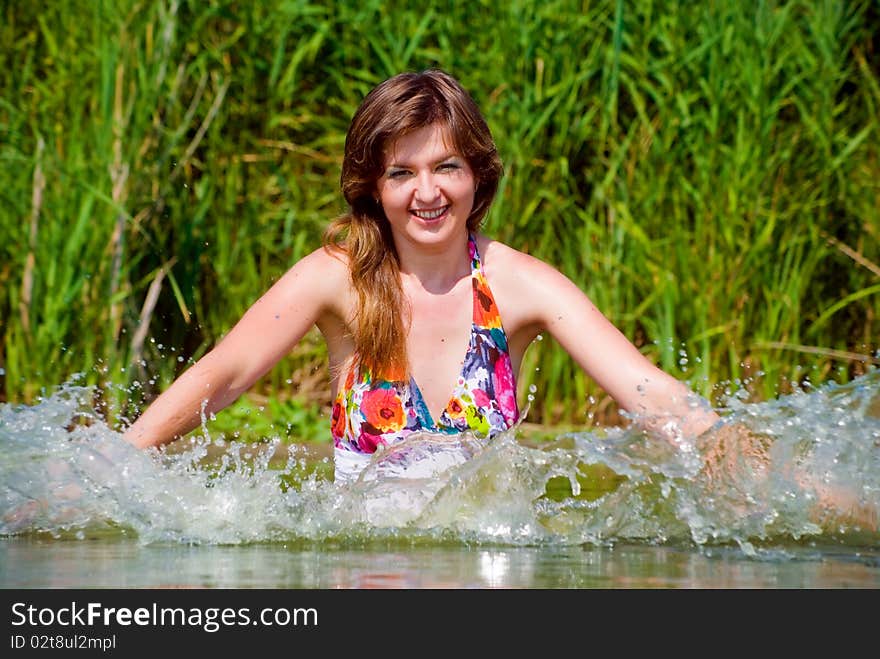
<point x="410" y="298"/>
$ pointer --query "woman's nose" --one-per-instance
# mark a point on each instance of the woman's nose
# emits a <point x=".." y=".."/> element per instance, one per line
<point x="426" y="187"/>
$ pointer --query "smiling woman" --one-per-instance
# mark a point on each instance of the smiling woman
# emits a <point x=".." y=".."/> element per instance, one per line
<point x="426" y="185"/>
<point x="410" y="299"/>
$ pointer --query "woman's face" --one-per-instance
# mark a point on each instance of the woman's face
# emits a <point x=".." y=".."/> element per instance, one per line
<point x="427" y="187"/>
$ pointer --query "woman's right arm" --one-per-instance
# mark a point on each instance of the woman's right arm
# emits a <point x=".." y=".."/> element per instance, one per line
<point x="267" y="332"/>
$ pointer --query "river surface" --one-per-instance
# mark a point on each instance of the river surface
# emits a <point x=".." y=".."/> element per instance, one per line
<point x="784" y="495"/>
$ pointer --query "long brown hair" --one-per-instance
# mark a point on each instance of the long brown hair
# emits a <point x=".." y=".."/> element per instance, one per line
<point x="396" y="107"/>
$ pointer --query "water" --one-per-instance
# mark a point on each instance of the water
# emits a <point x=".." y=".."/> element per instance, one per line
<point x="792" y="502"/>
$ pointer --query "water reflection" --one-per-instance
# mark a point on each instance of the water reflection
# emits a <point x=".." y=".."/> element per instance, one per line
<point x="115" y="563"/>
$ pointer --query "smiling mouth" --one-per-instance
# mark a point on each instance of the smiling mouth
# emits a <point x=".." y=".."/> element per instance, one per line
<point x="429" y="213"/>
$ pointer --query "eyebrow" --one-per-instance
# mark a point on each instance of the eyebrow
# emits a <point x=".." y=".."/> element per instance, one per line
<point x="404" y="165"/>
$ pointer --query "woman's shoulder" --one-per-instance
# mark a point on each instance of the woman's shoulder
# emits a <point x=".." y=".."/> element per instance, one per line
<point x="526" y="288"/>
<point x="505" y="262"/>
<point x="322" y="273"/>
<point x="326" y="261"/>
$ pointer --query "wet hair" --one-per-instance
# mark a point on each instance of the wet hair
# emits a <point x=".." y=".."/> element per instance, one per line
<point x="395" y="108"/>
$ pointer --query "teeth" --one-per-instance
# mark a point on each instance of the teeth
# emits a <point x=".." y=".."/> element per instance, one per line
<point x="430" y="215"/>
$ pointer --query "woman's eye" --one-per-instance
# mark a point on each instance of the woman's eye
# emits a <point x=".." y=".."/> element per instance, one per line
<point x="448" y="167"/>
<point x="397" y="173"/>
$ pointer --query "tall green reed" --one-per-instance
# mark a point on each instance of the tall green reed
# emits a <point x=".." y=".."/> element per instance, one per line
<point x="706" y="172"/>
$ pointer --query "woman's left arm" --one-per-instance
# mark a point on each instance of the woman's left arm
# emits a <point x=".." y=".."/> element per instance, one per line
<point x="656" y="399"/>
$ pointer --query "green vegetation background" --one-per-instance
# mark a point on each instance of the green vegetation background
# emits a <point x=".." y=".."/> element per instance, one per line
<point x="706" y="171"/>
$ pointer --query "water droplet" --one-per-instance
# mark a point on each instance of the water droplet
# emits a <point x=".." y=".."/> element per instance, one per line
<point x="532" y="388"/>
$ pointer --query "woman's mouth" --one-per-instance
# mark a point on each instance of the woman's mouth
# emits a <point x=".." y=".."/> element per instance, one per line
<point x="429" y="214"/>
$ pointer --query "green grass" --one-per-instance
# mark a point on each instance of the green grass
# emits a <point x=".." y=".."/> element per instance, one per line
<point x="706" y="172"/>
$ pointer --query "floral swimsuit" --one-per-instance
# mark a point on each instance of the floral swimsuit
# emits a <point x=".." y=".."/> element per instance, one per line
<point x="369" y="411"/>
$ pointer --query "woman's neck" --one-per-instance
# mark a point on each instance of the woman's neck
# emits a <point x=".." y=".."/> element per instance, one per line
<point x="435" y="268"/>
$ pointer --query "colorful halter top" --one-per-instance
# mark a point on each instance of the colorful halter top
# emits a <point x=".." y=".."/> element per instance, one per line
<point x="369" y="411"/>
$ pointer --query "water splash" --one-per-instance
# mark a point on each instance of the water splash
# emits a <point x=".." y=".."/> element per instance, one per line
<point x="802" y="468"/>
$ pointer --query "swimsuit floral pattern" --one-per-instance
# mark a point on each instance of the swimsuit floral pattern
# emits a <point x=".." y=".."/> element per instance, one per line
<point x="371" y="411"/>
